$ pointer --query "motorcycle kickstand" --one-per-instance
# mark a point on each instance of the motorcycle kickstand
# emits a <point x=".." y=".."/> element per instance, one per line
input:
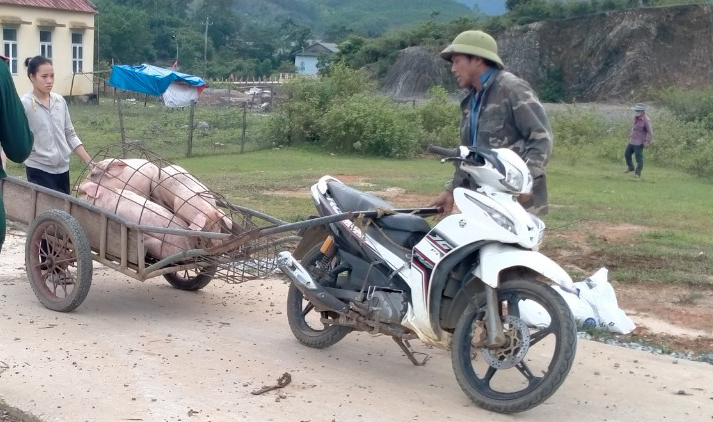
<point x="406" y="347"/>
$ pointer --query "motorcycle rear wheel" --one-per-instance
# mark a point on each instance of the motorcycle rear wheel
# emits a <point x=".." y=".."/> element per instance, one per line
<point x="537" y="359"/>
<point x="304" y="320"/>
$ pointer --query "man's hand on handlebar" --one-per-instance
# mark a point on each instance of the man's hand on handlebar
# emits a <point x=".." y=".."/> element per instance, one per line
<point x="444" y="201"/>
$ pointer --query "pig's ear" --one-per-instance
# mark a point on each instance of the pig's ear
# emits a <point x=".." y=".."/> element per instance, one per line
<point x="91" y="191"/>
<point x="116" y="167"/>
<point x="198" y="223"/>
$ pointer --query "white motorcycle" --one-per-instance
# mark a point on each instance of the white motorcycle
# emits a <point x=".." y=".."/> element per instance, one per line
<point x="459" y="285"/>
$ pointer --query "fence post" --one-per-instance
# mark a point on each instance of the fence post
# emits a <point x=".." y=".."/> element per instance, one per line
<point x="245" y="122"/>
<point x="191" y="115"/>
<point x="121" y="123"/>
<point x="71" y="89"/>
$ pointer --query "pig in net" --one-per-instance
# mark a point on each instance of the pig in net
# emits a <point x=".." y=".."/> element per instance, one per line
<point x="202" y="232"/>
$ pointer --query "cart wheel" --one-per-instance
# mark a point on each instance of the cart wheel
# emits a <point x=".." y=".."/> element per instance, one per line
<point x="191" y="280"/>
<point x="58" y="260"/>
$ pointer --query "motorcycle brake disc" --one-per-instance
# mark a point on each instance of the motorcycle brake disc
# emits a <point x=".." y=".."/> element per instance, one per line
<point x="518" y="336"/>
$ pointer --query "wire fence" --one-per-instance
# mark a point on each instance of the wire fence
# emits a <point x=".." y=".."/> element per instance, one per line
<point x="219" y="123"/>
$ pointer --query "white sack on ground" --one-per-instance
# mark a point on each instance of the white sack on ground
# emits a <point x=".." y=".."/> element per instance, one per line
<point x="596" y="306"/>
<point x="599" y="293"/>
<point x="533" y="314"/>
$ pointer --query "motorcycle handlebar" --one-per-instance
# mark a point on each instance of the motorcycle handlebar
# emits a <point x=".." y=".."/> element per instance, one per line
<point x="445" y="152"/>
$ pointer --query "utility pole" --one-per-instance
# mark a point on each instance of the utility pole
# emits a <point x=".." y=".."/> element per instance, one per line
<point x="175" y="37"/>
<point x="205" y="47"/>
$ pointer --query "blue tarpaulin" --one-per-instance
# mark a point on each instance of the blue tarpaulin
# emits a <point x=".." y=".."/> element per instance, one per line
<point x="148" y="79"/>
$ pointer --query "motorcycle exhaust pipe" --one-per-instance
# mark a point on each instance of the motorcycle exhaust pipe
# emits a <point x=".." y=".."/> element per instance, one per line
<point x="320" y="298"/>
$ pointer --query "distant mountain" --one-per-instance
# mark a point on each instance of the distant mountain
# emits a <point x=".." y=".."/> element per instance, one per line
<point x="364" y="17"/>
<point x="488" y="7"/>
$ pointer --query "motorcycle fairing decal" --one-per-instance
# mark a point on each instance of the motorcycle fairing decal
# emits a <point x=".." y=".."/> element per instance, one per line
<point x="439" y="242"/>
<point x="425" y="266"/>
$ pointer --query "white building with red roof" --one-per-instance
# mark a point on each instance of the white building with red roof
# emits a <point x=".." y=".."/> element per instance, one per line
<point x="62" y="30"/>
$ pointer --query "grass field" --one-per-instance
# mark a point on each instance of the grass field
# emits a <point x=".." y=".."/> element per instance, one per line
<point x="654" y="230"/>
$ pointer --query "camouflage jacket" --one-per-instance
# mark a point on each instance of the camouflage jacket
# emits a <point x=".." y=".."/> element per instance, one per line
<point x="511" y="116"/>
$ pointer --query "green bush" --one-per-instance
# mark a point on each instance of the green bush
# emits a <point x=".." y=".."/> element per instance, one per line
<point x="682" y="144"/>
<point x="552" y="90"/>
<point x="577" y="132"/>
<point x="440" y="119"/>
<point x="296" y="121"/>
<point x="689" y="105"/>
<point x="342" y="112"/>
<point x="369" y="124"/>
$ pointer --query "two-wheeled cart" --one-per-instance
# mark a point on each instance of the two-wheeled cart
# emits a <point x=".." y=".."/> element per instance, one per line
<point x="66" y="234"/>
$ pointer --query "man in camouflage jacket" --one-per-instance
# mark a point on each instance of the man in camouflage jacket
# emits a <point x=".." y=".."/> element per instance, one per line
<point x="500" y="111"/>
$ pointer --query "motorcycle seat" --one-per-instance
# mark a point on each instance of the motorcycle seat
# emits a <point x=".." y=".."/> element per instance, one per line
<point x="350" y="199"/>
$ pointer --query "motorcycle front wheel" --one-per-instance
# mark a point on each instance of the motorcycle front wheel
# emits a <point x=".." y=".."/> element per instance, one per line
<point x="305" y="321"/>
<point x="534" y="361"/>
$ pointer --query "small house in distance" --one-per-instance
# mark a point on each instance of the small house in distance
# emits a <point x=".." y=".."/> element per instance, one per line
<point x="306" y="60"/>
<point x="62" y="30"/>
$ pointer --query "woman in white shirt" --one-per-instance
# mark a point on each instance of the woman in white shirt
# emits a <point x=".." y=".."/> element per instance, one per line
<point x="55" y="138"/>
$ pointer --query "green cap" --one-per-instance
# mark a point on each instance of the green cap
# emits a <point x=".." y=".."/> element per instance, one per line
<point x="474" y="43"/>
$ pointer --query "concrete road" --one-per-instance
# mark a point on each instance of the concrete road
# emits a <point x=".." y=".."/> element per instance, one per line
<point x="146" y="352"/>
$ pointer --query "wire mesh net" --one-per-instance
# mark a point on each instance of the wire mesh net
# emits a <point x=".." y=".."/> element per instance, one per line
<point x="184" y="225"/>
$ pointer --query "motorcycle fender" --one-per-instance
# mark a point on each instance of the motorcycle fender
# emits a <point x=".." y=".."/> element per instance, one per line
<point x="310" y="237"/>
<point x="494" y="258"/>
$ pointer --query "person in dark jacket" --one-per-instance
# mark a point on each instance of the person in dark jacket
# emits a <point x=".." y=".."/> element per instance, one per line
<point x="500" y="111"/>
<point x="15" y="135"/>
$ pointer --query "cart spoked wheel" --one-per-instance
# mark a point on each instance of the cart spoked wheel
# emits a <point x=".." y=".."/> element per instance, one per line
<point x="191" y="280"/>
<point x="58" y="260"/>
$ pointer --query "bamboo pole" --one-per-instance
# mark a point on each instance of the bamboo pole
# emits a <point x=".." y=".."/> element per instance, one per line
<point x="121" y="123"/>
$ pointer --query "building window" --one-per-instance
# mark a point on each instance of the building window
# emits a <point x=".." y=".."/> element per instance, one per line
<point x="77" y="52"/>
<point x="46" y="44"/>
<point x="9" y="42"/>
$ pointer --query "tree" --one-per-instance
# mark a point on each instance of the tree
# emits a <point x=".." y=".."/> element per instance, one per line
<point x="122" y="32"/>
<point x="337" y="33"/>
<point x="511" y="5"/>
<point x="224" y="23"/>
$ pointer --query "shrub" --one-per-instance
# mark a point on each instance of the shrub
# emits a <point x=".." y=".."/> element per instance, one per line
<point x="373" y="125"/>
<point x="296" y="121"/>
<point x="552" y="90"/>
<point x="440" y="119"/>
<point x="577" y="132"/>
<point x="683" y="144"/>
<point x="689" y="105"/>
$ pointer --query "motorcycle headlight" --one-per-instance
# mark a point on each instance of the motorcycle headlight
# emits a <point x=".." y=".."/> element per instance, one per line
<point x="496" y="215"/>
<point x="514" y="179"/>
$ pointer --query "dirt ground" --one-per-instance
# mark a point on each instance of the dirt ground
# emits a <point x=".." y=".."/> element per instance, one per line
<point x="678" y="317"/>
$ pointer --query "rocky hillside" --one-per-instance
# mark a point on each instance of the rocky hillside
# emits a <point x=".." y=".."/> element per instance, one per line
<point x="615" y="55"/>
